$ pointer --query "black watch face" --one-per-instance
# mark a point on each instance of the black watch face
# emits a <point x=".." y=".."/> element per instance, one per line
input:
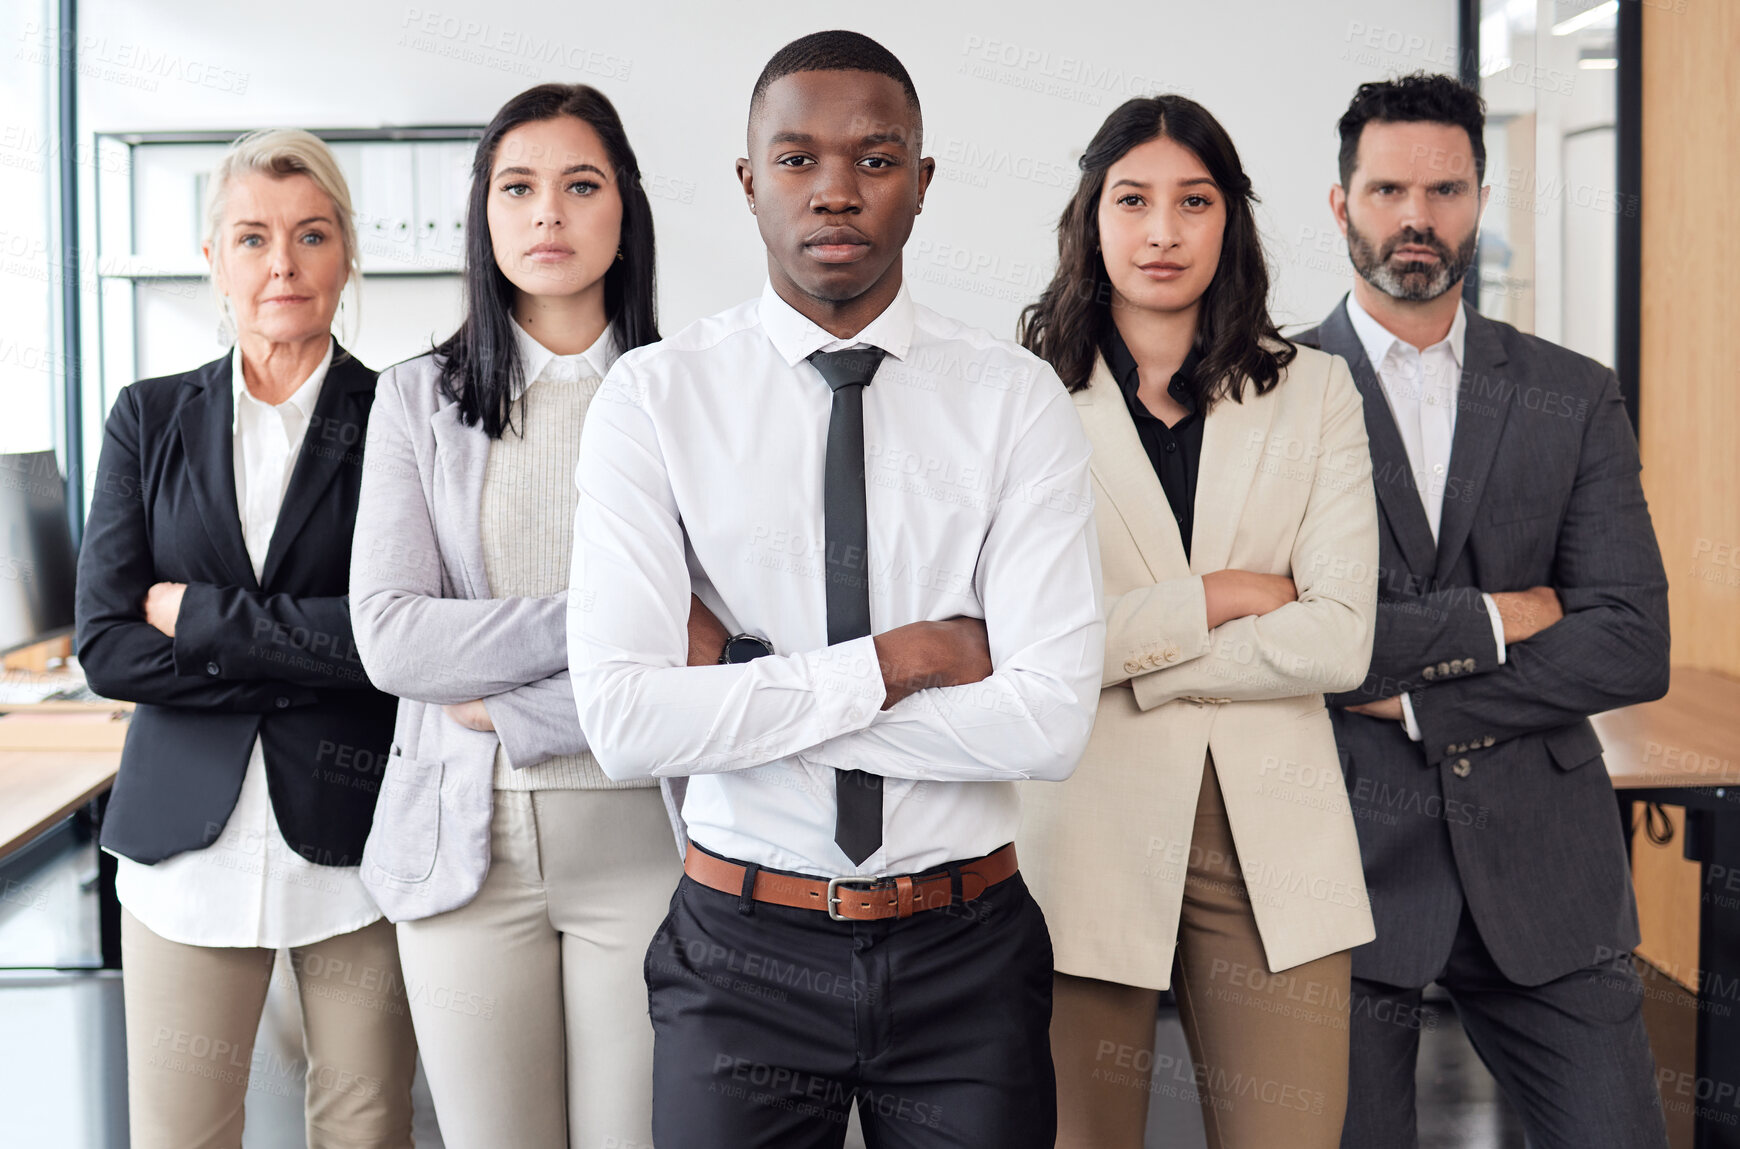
<point x="746" y="647"/>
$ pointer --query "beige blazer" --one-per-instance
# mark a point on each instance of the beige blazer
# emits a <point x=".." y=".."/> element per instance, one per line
<point x="1284" y="488"/>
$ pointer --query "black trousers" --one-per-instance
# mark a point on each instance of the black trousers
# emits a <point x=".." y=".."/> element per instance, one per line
<point x="1571" y="1056"/>
<point x="769" y="1023"/>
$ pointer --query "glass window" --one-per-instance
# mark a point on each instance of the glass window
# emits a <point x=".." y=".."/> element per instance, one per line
<point x="31" y="365"/>
<point x="1548" y="72"/>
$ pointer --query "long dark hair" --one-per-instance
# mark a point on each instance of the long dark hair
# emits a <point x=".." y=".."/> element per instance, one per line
<point x="1234" y="334"/>
<point x="480" y="363"/>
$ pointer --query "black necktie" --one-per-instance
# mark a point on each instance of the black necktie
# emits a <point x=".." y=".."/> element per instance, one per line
<point x="857" y="794"/>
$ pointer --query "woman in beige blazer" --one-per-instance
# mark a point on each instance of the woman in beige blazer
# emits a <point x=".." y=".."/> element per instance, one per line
<point x="1208" y="824"/>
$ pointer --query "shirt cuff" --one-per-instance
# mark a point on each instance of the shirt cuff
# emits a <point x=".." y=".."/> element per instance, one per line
<point x="1412" y="727"/>
<point x="847" y="680"/>
<point x="1497" y="625"/>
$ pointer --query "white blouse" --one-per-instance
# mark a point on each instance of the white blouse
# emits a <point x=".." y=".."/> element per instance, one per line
<point x="249" y="888"/>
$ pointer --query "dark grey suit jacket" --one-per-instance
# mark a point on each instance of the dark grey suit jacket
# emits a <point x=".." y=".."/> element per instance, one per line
<point x="1505" y="806"/>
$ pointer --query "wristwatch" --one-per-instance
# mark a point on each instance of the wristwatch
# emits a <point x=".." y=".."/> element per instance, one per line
<point x="744" y="648"/>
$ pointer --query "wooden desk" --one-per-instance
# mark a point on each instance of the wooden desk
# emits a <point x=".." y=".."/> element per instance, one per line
<point x="1681" y="752"/>
<point x="1685" y="741"/>
<point x="1689" y="738"/>
<point x="40" y="787"/>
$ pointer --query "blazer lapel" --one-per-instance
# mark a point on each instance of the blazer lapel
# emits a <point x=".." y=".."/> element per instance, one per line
<point x="1392" y="475"/>
<point x="207" y="425"/>
<point x="1482" y="404"/>
<point x="321" y="456"/>
<point x="1127" y="477"/>
<point x="1234" y="436"/>
<point x="461" y="457"/>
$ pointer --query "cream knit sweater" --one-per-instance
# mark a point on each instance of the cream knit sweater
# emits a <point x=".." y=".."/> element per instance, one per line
<point x="527" y="528"/>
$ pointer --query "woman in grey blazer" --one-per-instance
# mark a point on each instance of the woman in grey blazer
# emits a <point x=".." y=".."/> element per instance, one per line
<point x="525" y="883"/>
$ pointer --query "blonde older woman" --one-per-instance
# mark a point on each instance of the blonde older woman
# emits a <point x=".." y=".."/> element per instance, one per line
<point x="211" y="591"/>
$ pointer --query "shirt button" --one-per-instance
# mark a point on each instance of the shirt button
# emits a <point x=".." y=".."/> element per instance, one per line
<point x="1171" y="447"/>
<point x="283" y="703"/>
<point x="1438" y="468"/>
<point x="211" y="668"/>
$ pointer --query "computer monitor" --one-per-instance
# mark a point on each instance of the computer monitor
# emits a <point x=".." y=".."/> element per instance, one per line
<point x="37" y="559"/>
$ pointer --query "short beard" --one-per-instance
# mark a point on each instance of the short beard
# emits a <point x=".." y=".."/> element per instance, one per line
<point x="1413" y="281"/>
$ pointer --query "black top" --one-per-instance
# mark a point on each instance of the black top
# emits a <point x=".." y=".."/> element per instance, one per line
<point x="270" y="657"/>
<point x="1175" y="451"/>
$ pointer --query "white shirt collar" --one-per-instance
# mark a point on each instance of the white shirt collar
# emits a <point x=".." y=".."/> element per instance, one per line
<point x="1377" y="339"/>
<point x="596" y="360"/>
<point x="796" y="337"/>
<point x="303" y="399"/>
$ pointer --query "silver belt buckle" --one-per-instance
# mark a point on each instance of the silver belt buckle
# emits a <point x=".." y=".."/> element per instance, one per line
<point x="834" y="885"/>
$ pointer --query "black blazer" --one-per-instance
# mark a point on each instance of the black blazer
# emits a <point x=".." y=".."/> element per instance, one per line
<point x="272" y="657"/>
<point x="1505" y="807"/>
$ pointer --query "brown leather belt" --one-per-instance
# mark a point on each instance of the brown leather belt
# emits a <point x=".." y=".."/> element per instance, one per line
<point x="880" y="898"/>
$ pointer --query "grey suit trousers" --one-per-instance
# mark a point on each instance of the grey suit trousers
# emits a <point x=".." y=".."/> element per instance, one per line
<point x="1571" y="1055"/>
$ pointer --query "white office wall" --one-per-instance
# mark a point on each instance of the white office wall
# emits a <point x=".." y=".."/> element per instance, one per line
<point x="1011" y="93"/>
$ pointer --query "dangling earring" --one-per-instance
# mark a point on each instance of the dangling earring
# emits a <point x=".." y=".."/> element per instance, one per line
<point x="619" y="253"/>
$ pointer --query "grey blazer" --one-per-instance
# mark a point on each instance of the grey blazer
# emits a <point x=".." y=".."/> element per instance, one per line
<point x="1505" y="807"/>
<point x="428" y="631"/>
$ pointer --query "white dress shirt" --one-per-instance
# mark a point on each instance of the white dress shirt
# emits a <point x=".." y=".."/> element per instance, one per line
<point x="249" y="888"/>
<point x="1422" y="386"/>
<point x="701" y="466"/>
<point x="539" y="362"/>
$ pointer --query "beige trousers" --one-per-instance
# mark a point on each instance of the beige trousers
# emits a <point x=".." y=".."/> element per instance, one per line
<point x="530" y="1000"/>
<point x="1269" y="1050"/>
<point x="193" y="1011"/>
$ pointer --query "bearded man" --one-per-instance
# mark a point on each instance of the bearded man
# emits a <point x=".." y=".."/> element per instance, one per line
<point x="1520" y="591"/>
